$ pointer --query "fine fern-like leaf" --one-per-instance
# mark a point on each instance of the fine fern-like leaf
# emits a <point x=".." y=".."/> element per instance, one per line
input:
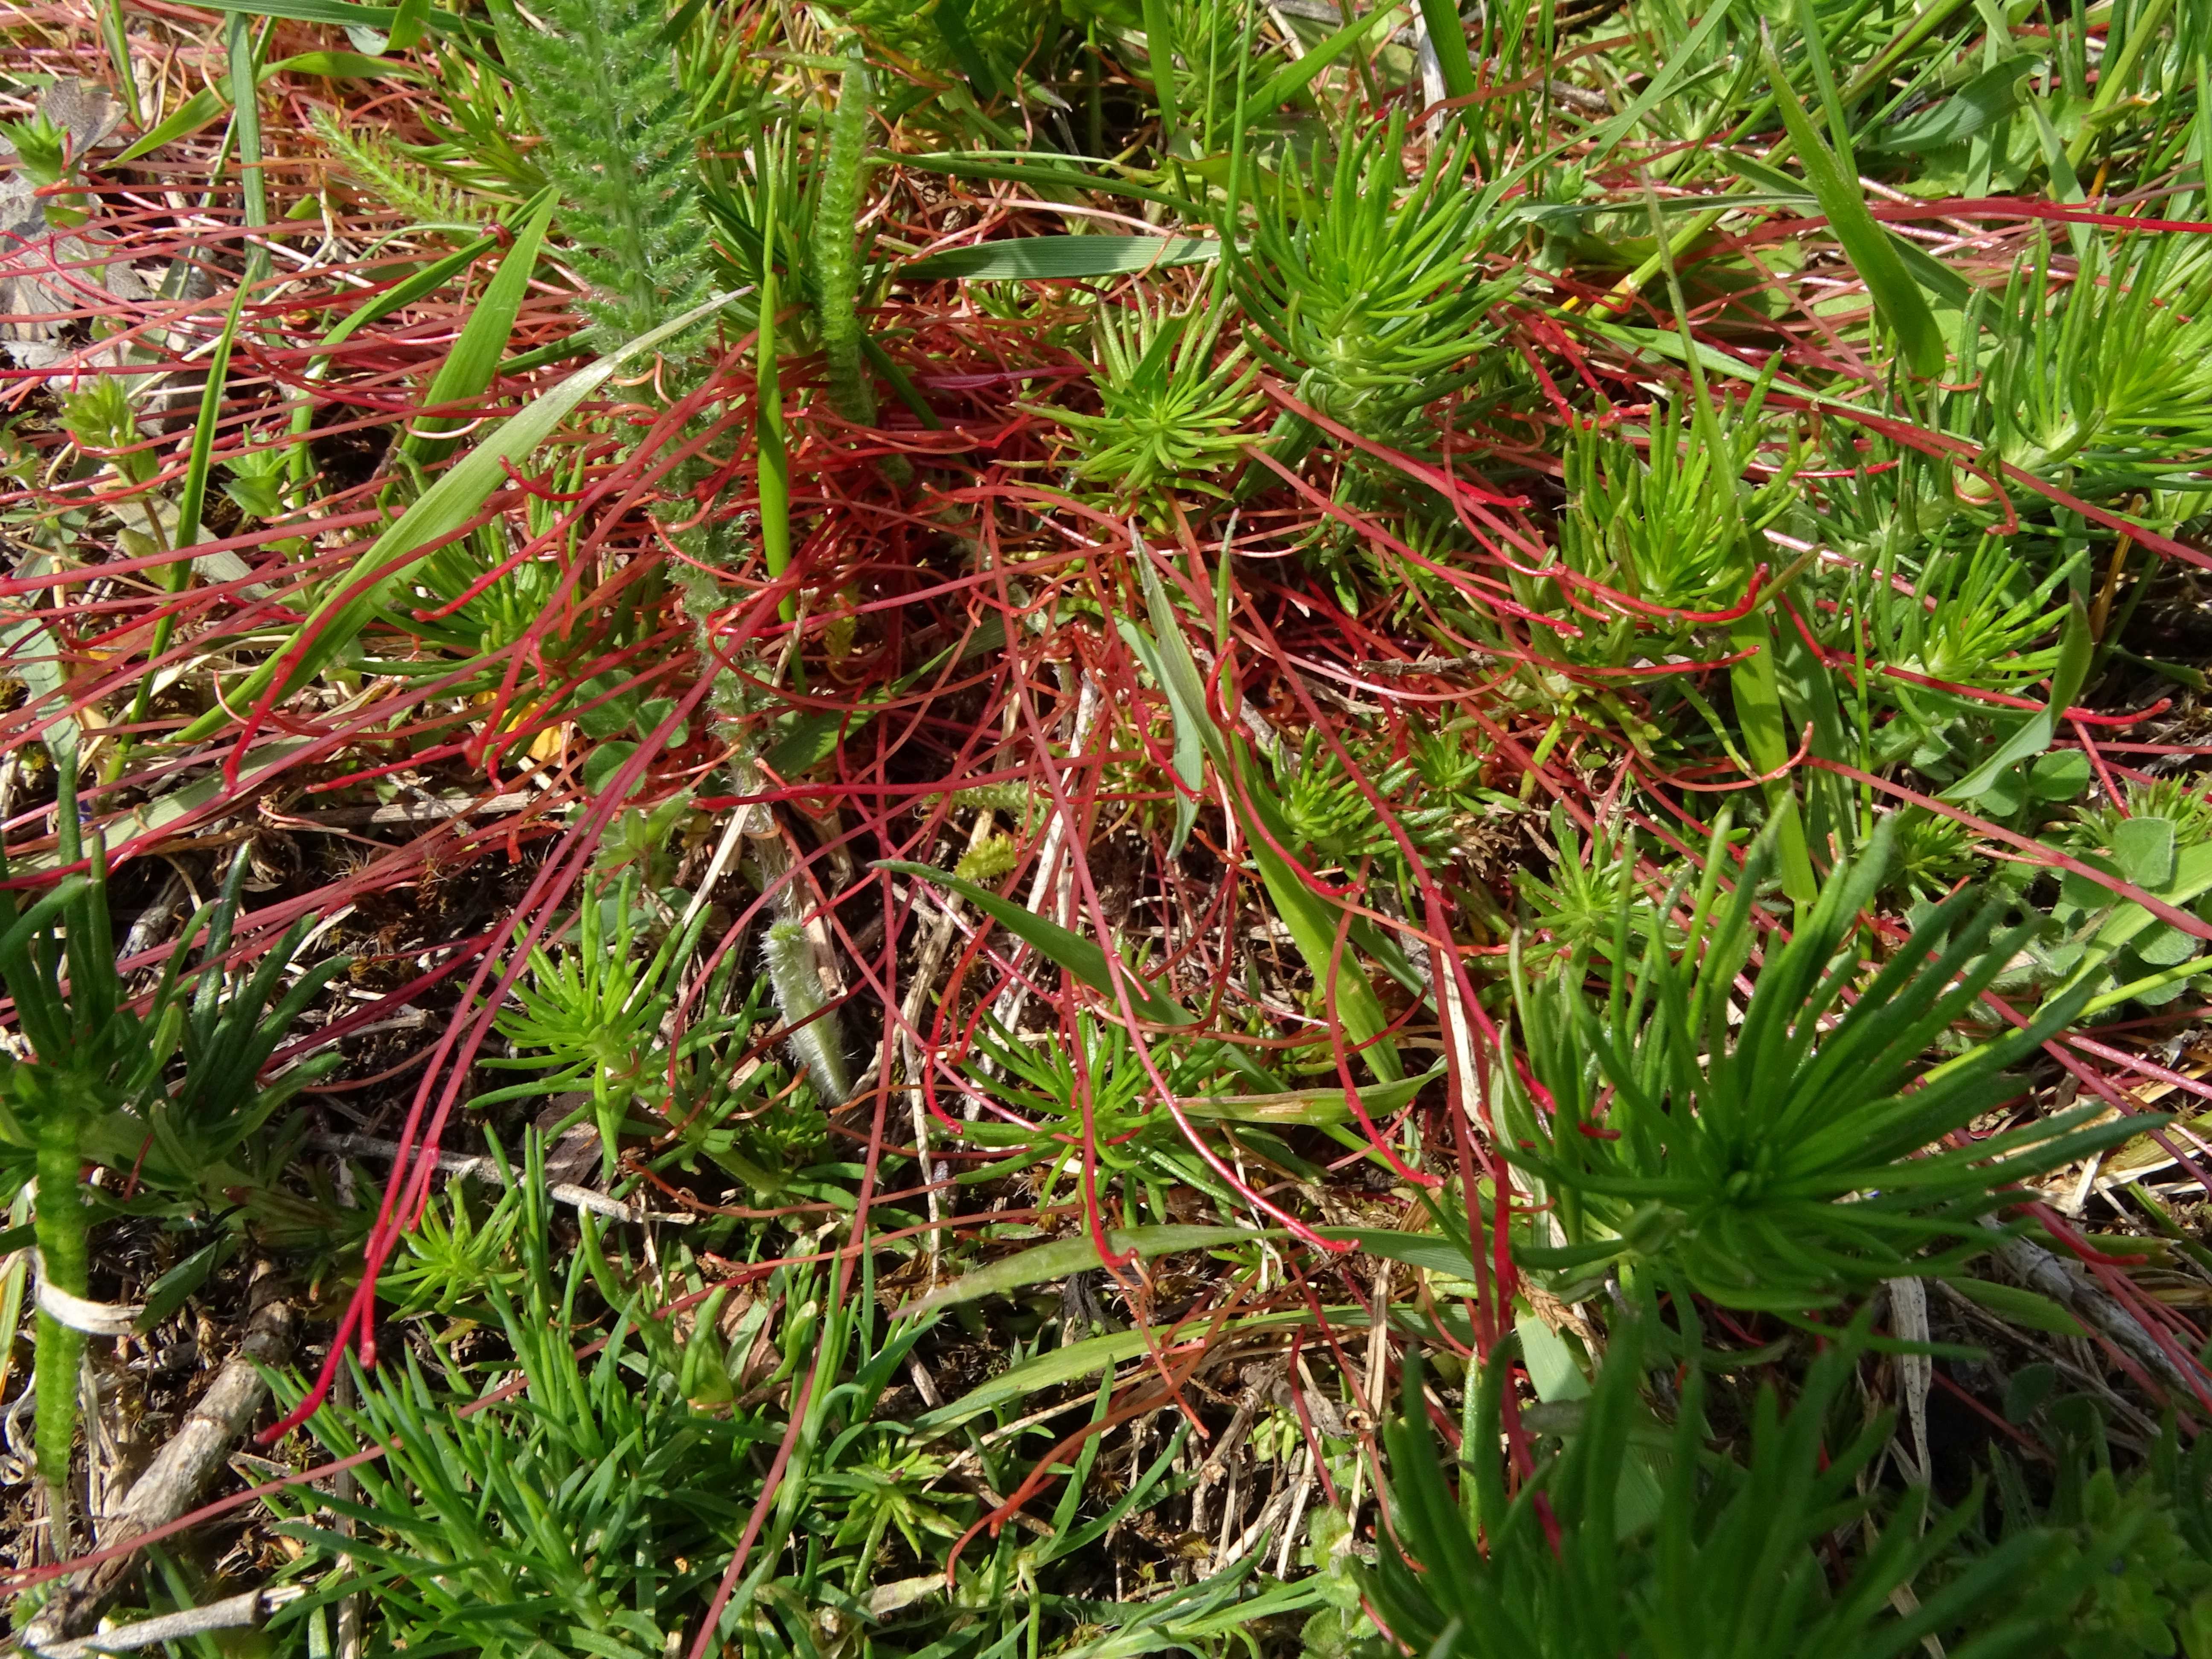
<point x="600" y="83"/>
<point x="399" y="180"/>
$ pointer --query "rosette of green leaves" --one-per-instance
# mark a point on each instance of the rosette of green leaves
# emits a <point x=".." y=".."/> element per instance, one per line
<point x="1731" y="1561"/>
<point x="1365" y="292"/>
<point x="1169" y="413"/>
<point x="1789" y="1152"/>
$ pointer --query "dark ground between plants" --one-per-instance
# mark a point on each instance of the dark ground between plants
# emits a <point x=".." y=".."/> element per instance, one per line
<point x="1137" y="826"/>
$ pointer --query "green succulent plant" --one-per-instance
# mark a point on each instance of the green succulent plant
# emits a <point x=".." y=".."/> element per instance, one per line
<point x="1789" y="1151"/>
<point x="1731" y="1559"/>
<point x="1172" y="409"/>
<point x="1366" y="291"/>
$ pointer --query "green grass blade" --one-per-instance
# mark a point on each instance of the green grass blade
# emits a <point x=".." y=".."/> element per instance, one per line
<point x="1046" y="176"/>
<point x="448" y="504"/>
<point x="1293" y="78"/>
<point x="192" y="497"/>
<point x="115" y="36"/>
<point x="1978" y="105"/>
<point x="1662" y="86"/>
<point x="1766" y="739"/>
<point x="471" y="364"/>
<point x="1189" y="743"/>
<point x="775" y="464"/>
<point x="1084" y="958"/>
<point x="1159" y="47"/>
<point x="1057" y="258"/>
<point x="1924" y="23"/>
<point x="1064" y="1256"/>
<point x="338" y="14"/>
<point x="253" y="189"/>
<point x="428" y="280"/>
<point x="343" y="66"/>
<point x="407" y="25"/>
<point x="1873" y="254"/>
<point x="203" y="108"/>
<point x="1448" y="36"/>
<point x="2033" y="735"/>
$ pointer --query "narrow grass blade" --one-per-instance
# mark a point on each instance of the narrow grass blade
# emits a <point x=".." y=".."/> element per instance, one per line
<point x="2033" y="735"/>
<point x="343" y="66"/>
<point x="338" y="14"/>
<point x="192" y="497"/>
<point x="428" y="280"/>
<point x="1159" y="46"/>
<point x="117" y="39"/>
<point x="1084" y="958"/>
<point x="1093" y="1354"/>
<point x="1064" y="1256"/>
<point x="408" y="26"/>
<point x="201" y="109"/>
<point x="474" y="361"/>
<point x="1766" y="739"/>
<point x="1293" y="78"/>
<point x="30" y="654"/>
<point x="1448" y="35"/>
<point x="1189" y="742"/>
<point x="774" y="462"/>
<point x="1663" y="85"/>
<point x="448" y="504"/>
<point x="1873" y="254"/>
<point x="1433" y="1253"/>
<point x="1980" y="104"/>
<point x="1057" y="258"/>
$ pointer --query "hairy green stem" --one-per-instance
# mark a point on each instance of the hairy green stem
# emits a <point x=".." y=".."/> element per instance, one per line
<point x="816" y="1042"/>
<point x="768" y="420"/>
<point x="836" y="263"/>
<point x="61" y="1230"/>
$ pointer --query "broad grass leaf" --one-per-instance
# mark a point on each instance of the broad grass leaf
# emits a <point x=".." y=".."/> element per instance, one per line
<point x="1976" y="106"/>
<point x="1872" y="251"/>
<point x="470" y="366"/>
<point x="1311" y="1107"/>
<point x="1057" y="258"/>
